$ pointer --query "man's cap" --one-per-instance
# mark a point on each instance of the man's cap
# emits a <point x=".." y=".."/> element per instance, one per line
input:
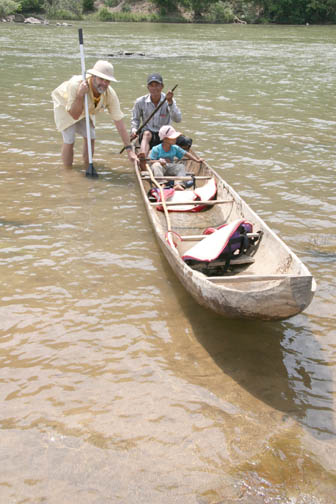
<point x="184" y="142"/>
<point x="155" y="77"/>
<point x="168" y="132"/>
<point x="104" y="70"/>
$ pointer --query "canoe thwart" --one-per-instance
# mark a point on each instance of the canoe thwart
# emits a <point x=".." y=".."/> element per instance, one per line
<point x="195" y="202"/>
<point x="242" y="259"/>
<point x="144" y="176"/>
<point x="201" y="236"/>
<point x="249" y="278"/>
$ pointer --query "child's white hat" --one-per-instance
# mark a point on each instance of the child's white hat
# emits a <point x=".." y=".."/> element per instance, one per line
<point x="168" y="132"/>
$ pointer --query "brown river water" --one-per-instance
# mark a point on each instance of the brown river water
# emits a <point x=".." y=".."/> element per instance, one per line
<point x="116" y="387"/>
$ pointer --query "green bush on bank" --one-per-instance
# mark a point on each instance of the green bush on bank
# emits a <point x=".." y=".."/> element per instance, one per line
<point x="88" y="5"/>
<point x="63" y="9"/>
<point x="167" y="7"/>
<point x="111" y="3"/>
<point x="67" y="9"/>
<point x="167" y="11"/>
<point x="8" y="7"/>
<point x="31" y="5"/>
<point x="105" y="15"/>
<point x="63" y="15"/>
<point x="220" y="12"/>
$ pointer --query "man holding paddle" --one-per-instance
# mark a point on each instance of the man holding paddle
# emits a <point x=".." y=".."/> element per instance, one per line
<point x="69" y="110"/>
<point x="155" y="109"/>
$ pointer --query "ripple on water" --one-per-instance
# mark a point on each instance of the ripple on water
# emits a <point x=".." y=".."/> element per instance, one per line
<point x="105" y="361"/>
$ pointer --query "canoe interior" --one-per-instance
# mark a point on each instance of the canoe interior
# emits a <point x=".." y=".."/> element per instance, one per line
<point x="274" y="269"/>
<point x="270" y="258"/>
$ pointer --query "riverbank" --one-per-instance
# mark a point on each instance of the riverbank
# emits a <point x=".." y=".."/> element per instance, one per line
<point x="125" y="11"/>
<point x="175" y="11"/>
<point x="34" y="19"/>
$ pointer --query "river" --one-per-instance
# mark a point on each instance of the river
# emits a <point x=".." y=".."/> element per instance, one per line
<point x="116" y="387"/>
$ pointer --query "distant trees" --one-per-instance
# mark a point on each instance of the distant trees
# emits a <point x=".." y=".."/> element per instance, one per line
<point x="63" y="9"/>
<point x="296" y="11"/>
<point x="8" y="7"/>
<point x="167" y="6"/>
<point x="88" y="5"/>
<point x="197" y="7"/>
<point x="31" y="5"/>
<point x="74" y="8"/>
<point x="206" y="11"/>
<point x="256" y="11"/>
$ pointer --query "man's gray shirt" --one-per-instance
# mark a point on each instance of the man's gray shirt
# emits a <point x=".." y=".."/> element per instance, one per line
<point x="144" y="107"/>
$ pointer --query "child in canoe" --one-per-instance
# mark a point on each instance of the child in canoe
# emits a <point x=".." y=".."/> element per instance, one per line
<point x="162" y="156"/>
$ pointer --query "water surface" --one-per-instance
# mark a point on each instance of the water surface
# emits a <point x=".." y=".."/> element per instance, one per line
<point x="116" y="386"/>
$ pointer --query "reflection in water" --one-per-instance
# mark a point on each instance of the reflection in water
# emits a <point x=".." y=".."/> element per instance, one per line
<point x="309" y="377"/>
<point x="281" y="364"/>
<point x="115" y="386"/>
<point x="263" y="393"/>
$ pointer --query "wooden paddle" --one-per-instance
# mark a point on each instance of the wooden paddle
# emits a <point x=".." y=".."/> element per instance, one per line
<point x="163" y="200"/>
<point x="150" y="117"/>
<point x="90" y="172"/>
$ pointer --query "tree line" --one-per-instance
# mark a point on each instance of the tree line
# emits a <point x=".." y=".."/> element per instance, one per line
<point x="208" y="11"/>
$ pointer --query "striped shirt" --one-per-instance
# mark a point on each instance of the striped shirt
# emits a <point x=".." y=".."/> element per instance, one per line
<point x="144" y="107"/>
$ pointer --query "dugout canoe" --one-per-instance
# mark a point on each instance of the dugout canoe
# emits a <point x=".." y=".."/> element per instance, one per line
<point x="269" y="283"/>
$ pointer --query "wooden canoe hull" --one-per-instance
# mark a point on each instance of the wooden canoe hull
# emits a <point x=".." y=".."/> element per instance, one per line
<point x="276" y="287"/>
<point x="267" y="300"/>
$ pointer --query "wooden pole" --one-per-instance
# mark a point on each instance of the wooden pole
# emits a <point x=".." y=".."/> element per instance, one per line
<point x="90" y="172"/>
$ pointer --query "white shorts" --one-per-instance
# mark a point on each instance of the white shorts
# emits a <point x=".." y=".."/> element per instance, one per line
<point x="79" y="128"/>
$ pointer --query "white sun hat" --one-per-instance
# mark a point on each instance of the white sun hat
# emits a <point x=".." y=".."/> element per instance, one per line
<point x="104" y="70"/>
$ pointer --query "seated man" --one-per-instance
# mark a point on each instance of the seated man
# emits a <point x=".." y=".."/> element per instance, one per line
<point x="144" y="107"/>
<point x="165" y="153"/>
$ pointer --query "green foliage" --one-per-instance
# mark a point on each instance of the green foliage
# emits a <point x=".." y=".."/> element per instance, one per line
<point x="167" y="6"/>
<point x="105" y="15"/>
<point x="31" y="5"/>
<point x="285" y="11"/>
<point x="63" y="9"/>
<point x="273" y="11"/>
<point x="111" y="3"/>
<point x="198" y="7"/>
<point x="211" y="11"/>
<point x="321" y="11"/>
<point x="126" y="7"/>
<point x="88" y="5"/>
<point x="8" y="7"/>
<point x="297" y="11"/>
<point x="246" y="10"/>
<point x="220" y="12"/>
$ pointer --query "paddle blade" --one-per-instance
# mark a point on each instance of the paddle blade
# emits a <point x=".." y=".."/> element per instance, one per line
<point x="80" y="36"/>
<point x="91" y="172"/>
